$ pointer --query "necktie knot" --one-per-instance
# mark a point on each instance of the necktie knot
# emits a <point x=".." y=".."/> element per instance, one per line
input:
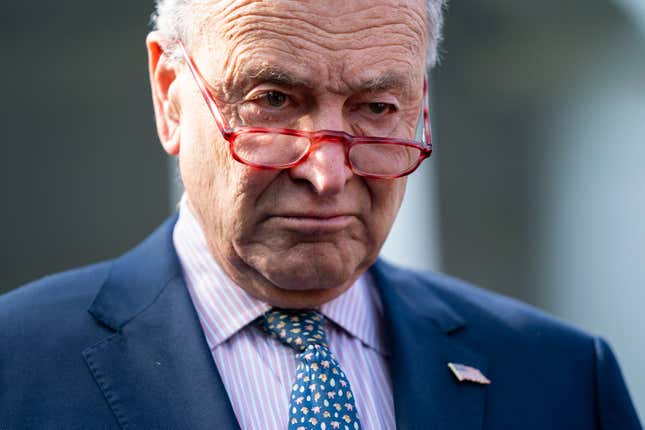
<point x="298" y="329"/>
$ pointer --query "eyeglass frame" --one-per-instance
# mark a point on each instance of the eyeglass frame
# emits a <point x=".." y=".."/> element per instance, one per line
<point x="230" y="134"/>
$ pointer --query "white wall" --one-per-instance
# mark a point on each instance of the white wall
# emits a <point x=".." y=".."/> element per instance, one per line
<point x="590" y="230"/>
<point x="414" y="239"/>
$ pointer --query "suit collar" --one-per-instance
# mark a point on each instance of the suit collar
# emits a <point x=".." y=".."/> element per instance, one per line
<point x="423" y="333"/>
<point x="137" y="278"/>
<point x="400" y="289"/>
<point x="155" y="368"/>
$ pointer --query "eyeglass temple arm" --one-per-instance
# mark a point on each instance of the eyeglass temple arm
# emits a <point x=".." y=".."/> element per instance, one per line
<point x="426" y="120"/>
<point x="201" y="83"/>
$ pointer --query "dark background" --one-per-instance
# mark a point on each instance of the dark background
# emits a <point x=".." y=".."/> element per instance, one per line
<point x="84" y="175"/>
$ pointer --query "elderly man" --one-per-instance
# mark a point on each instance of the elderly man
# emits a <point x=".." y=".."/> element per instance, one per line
<point x="262" y="305"/>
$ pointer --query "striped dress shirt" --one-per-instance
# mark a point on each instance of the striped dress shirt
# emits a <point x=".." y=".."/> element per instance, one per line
<point x="257" y="370"/>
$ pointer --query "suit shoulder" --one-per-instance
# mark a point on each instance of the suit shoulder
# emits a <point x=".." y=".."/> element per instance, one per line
<point x="64" y="289"/>
<point x="487" y="309"/>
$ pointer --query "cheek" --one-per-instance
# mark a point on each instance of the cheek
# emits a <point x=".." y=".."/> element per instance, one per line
<point x="206" y="171"/>
<point x="201" y="148"/>
<point x="202" y="173"/>
<point x="235" y="194"/>
<point x="387" y="197"/>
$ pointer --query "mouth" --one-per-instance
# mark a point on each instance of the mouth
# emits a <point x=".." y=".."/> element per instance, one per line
<point x="312" y="223"/>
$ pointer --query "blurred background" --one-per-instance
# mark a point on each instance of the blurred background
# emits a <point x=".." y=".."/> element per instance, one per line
<point x="536" y="188"/>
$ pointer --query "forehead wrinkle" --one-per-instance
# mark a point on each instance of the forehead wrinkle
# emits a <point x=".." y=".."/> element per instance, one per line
<point x="245" y="24"/>
<point x="322" y="17"/>
<point x="304" y="35"/>
<point x="323" y="26"/>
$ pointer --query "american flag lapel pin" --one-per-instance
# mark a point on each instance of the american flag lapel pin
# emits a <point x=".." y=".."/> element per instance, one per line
<point x="467" y="373"/>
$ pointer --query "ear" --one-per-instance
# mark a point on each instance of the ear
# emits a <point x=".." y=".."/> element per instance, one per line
<point x="163" y="76"/>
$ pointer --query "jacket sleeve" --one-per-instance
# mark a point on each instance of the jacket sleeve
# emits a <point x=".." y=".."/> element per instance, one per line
<point x="613" y="403"/>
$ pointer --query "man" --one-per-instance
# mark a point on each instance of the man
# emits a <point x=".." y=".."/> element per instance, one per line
<point x="262" y="306"/>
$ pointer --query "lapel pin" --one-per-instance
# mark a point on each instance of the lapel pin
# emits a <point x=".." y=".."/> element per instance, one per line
<point x="467" y="373"/>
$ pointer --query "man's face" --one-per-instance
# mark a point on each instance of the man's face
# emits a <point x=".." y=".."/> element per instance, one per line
<point x="302" y="236"/>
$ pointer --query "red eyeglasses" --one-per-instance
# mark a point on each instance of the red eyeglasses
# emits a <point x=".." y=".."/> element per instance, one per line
<point x="284" y="148"/>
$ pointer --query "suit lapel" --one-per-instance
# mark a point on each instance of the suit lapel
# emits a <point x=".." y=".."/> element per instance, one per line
<point x="422" y="336"/>
<point x="155" y="368"/>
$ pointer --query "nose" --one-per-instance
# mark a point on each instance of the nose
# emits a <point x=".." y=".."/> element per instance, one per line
<point x="325" y="168"/>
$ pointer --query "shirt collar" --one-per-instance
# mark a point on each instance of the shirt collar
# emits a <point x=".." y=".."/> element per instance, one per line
<point x="224" y="308"/>
<point x="359" y="312"/>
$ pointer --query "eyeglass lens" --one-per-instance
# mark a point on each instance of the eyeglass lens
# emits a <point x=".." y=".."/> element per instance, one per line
<point x="277" y="150"/>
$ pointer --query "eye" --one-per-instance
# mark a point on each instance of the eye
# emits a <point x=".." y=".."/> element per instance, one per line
<point x="266" y="105"/>
<point x="378" y="108"/>
<point x="275" y="99"/>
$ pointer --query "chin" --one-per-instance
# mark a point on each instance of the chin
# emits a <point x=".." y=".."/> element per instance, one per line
<point x="305" y="265"/>
<point x="302" y="299"/>
<point x="305" y="275"/>
<point x="310" y="278"/>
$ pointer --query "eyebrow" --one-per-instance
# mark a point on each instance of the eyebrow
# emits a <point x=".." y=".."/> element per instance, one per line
<point x="276" y="75"/>
<point x="387" y="81"/>
<point x="272" y="74"/>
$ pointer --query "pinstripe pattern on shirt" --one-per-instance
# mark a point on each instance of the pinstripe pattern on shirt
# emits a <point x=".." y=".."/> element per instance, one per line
<point x="258" y="370"/>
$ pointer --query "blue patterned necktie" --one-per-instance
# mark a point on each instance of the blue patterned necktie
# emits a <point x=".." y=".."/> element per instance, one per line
<point x="321" y="397"/>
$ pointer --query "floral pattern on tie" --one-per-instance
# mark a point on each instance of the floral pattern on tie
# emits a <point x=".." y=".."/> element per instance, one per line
<point x="321" y="397"/>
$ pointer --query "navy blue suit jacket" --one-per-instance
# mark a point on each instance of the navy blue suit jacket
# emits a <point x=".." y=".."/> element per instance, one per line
<point x="119" y="345"/>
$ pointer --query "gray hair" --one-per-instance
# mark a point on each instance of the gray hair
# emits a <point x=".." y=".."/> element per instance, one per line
<point x="173" y="19"/>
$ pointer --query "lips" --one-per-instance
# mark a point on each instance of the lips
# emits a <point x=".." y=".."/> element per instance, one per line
<point x="313" y="223"/>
